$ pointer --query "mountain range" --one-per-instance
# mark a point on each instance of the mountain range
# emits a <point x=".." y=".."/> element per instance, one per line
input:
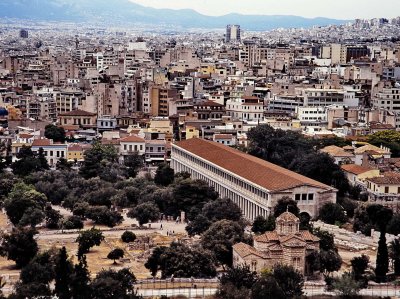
<point x="127" y="12"/>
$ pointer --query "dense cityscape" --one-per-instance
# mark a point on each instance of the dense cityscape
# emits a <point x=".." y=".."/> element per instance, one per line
<point x="157" y="161"/>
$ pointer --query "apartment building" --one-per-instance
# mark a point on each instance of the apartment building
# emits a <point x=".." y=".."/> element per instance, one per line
<point x="246" y="108"/>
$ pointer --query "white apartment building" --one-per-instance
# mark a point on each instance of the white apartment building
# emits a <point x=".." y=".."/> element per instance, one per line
<point x="312" y="116"/>
<point x="314" y="97"/>
<point x="285" y="103"/>
<point x="253" y="184"/>
<point x="53" y="152"/>
<point x="246" y="109"/>
<point x="132" y="144"/>
<point x="389" y="98"/>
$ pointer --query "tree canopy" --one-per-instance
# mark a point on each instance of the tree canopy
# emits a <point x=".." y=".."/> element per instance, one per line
<point x="55" y="133"/>
<point x="19" y="246"/>
<point x="293" y="151"/>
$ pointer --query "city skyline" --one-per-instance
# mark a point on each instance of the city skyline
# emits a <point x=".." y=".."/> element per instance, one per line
<point x="339" y="9"/>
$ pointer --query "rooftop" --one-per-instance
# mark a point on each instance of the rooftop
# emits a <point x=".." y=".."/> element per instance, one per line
<point x="265" y="174"/>
<point x="355" y="169"/>
<point x="77" y="113"/>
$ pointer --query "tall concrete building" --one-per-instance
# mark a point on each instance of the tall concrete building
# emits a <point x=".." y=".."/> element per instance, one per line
<point x="232" y="33"/>
<point x="23" y="33"/>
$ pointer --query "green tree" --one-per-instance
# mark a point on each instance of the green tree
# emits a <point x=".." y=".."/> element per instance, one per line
<point x="326" y="239"/>
<point x="64" y="165"/>
<point x="87" y="239"/>
<point x="145" y="213"/>
<point x="42" y="160"/>
<point x="32" y="216"/>
<point x="346" y="286"/>
<point x="267" y="288"/>
<point x="295" y="152"/>
<point x="80" y="280"/>
<point x="313" y="261"/>
<point x="236" y="283"/>
<point x="262" y="225"/>
<point x="290" y="280"/>
<point x="388" y="138"/>
<point x="220" y="238"/>
<point x="330" y="261"/>
<point x="28" y="162"/>
<point x="63" y="270"/>
<point x="190" y="196"/>
<point x="331" y="213"/>
<point x="115" y="254"/>
<point x="381" y="216"/>
<point x="19" y="246"/>
<point x="222" y="208"/>
<point x="180" y="260"/>
<point x="55" y="133"/>
<point x="240" y="276"/>
<point x="40" y="270"/>
<point x="52" y="217"/>
<point x="128" y="236"/>
<point x="154" y="261"/>
<point x="72" y="222"/>
<point x="393" y="226"/>
<point x="359" y="265"/>
<point x="133" y="163"/>
<point x="110" y="284"/>
<point x="198" y="226"/>
<point x="164" y="175"/>
<point x="286" y="204"/>
<point x="92" y="166"/>
<point x="23" y="199"/>
<point x="277" y="146"/>
<point x="102" y="215"/>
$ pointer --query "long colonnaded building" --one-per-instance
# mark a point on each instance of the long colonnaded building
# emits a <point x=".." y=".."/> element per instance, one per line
<point x="253" y="184"/>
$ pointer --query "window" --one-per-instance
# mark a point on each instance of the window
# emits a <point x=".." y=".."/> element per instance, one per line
<point x="304" y="197"/>
<point x="297" y="197"/>
<point x="311" y="196"/>
<point x="386" y="189"/>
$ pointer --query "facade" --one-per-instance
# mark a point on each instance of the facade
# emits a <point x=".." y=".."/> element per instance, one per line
<point x="132" y="144"/>
<point x="357" y="174"/>
<point x="339" y="154"/>
<point x="286" y="245"/>
<point x="384" y="189"/>
<point x="53" y="152"/>
<point x="246" y="108"/>
<point x="253" y="184"/>
<point x="106" y="123"/>
<point x="80" y="118"/>
<point x="233" y="33"/>
<point x="75" y="153"/>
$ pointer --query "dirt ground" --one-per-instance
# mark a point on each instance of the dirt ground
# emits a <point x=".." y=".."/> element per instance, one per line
<point x="348" y="255"/>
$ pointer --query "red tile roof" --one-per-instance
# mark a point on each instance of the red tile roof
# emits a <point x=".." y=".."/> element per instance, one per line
<point x="245" y="250"/>
<point x="132" y="138"/>
<point x="355" y="169"/>
<point x="389" y="178"/>
<point x="267" y="175"/>
<point x="27" y="136"/>
<point x="41" y="142"/>
<point x="77" y="113"/>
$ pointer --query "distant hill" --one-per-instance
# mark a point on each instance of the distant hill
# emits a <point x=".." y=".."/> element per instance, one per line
<point x="124" y="11"/>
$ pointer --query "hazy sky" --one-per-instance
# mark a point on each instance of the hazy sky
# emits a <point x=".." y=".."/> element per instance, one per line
<point x="340" y="9"/>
